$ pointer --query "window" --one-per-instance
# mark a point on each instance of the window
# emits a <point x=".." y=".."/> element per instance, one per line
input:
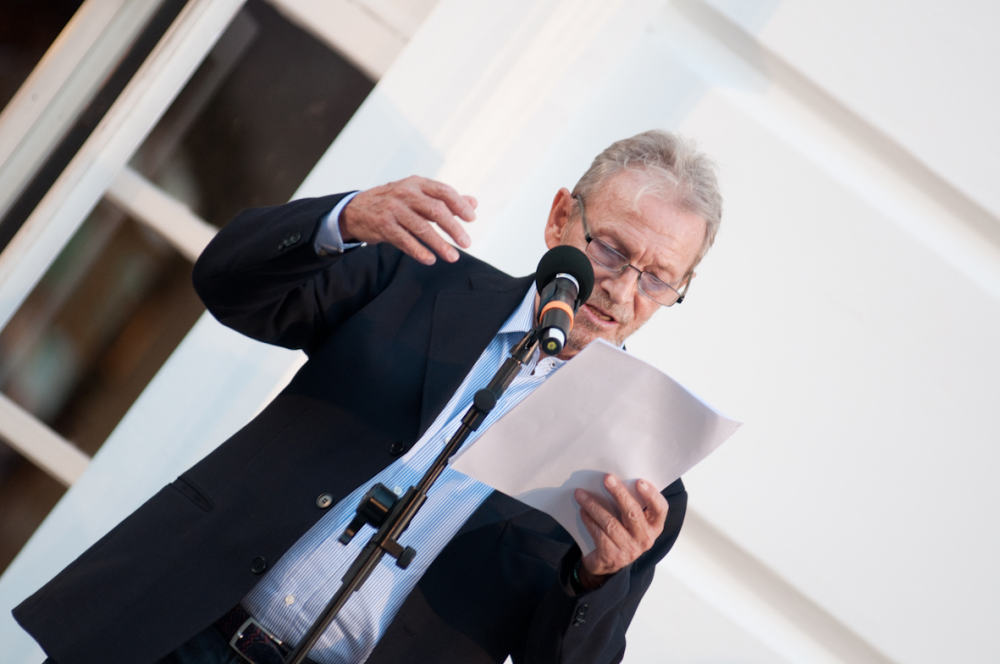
<point x="245" y="131"/>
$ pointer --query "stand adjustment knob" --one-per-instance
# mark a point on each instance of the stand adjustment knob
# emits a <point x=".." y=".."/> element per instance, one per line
<point x="406" y="557"/>
<point x="485" y="400"/>
<point x="374" y="507"/>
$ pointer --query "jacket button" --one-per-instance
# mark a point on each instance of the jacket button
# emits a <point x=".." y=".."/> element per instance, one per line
<point x="324" y="500"/>
<point x="289" y="241"/>
<point x="258" y="565"/>
<point x="581" y="615"/>
<point x="397" y="448"/>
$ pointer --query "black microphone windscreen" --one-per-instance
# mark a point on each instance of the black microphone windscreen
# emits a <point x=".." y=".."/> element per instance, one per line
<point x="570" y="260"/>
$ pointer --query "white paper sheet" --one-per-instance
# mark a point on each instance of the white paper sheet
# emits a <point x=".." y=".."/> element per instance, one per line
<point x="603" y="412"/>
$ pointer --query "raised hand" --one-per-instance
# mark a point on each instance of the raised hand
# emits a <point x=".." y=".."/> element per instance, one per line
<point x="401" y="213"/>
<point x="621" y="541"/>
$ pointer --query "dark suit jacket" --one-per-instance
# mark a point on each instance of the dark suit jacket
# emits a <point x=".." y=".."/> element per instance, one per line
<point x="389" y="341"/>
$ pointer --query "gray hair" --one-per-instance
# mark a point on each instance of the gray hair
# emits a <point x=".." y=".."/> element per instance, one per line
<point x="677" y="170"/>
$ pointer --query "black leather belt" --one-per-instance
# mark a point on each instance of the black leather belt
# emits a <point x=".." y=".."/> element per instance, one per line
<point x="249" y="638"/>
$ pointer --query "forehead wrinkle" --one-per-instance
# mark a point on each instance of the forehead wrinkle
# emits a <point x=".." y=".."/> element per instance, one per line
<point x="671" y="268"/>
<point x="671" y="265"/>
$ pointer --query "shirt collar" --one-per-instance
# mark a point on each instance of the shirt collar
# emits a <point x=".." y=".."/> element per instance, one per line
<point x="521" y="322"/>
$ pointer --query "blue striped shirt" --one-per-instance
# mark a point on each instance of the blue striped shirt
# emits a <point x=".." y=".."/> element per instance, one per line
<point x="295" y="591"/>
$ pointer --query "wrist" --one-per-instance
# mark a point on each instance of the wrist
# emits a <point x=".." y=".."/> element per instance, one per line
<point x="583" y="580"/>
<point x="346" y="218"/>
<point x="343" y="226"/>
<point x="330" y="235"/>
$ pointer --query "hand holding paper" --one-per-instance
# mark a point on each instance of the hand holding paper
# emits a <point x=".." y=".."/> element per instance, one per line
<point x="604" y="412"/>
<point x="622" y="535"/>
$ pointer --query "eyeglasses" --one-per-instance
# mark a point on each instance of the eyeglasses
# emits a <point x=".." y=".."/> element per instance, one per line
<point x="601" y="253"/>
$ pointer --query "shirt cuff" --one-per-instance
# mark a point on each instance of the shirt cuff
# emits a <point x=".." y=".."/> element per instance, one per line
<point x="328" y="240"/>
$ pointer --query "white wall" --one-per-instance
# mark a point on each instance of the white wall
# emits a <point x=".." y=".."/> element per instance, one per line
<point x="848" y="314"/>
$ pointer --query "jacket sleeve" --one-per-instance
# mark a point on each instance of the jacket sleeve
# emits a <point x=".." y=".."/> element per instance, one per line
<point x="589" y="628"/>
<point x="261" y="276"/>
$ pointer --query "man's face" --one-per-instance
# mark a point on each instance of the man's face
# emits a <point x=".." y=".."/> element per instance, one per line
<point x="651" y="232"/>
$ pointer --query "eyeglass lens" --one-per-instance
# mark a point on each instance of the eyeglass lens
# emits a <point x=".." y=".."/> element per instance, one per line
<point x="611" y="259"/>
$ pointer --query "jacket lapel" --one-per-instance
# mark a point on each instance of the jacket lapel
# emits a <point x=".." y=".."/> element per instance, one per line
<point x="497" y="507"/>
<point x="464" y="324"/>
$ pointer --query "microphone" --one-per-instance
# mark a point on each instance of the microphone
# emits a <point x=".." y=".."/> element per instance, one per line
<point x="564" y="280"/>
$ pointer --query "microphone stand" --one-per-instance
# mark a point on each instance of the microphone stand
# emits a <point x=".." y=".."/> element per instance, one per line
<point x="391" y="515"/>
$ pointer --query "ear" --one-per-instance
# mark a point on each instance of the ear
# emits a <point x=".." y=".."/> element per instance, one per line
<point x="559" y="217"/>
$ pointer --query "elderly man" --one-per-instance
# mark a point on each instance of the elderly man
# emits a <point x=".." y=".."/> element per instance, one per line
<point x="234" y="560"/>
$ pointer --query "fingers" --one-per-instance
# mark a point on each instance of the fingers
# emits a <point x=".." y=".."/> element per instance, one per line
<point x="606" y="558"/>
<point x="613" y="549"/>
<point x="460" y="206"/>
<point x="656" y="505"/>
<point x="424" y="210"/>
<point x="632" y="516"/>
<point x="592" y="509"/>
<point x="621" y="540"/>
<point x="404" y="240"/>
<point x="440" y="203"/>
<point x="418" y="227"/>
<point x="402" y="213"/>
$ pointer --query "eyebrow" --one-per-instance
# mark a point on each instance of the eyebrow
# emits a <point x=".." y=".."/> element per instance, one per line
<point x="657" y="270"/>
<point x="619" y="247"/>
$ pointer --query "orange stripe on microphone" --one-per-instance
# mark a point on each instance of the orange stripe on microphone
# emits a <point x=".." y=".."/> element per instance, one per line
<point x="558" y="304"/>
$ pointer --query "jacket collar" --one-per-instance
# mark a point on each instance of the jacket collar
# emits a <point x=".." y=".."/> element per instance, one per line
<point x="464" y="323"/>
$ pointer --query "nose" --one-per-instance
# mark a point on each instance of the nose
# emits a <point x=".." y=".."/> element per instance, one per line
<point x="621" y="286"/>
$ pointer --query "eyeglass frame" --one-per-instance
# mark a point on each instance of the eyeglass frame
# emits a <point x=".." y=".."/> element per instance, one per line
<point x="628" y="264"/>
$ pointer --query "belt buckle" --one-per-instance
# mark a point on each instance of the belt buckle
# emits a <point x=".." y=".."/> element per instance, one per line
<point x="257" y="645"/>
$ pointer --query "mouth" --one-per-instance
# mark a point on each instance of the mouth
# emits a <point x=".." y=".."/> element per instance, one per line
<point x="598" y="315"/>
